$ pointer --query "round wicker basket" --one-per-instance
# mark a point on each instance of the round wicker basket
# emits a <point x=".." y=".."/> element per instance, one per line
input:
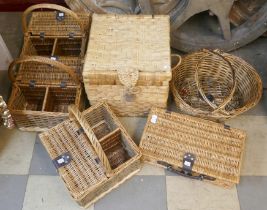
<point x="215" y="85"/>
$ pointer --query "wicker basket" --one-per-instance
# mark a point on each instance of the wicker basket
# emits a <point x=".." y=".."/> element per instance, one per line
<point x="215" y="85"/>
<point x="42" y="90"/>
<point x="87" y="175"/>
<point x="125" y="66"/>
<point x="193" y="147"/>
<point x="61" y="22"/>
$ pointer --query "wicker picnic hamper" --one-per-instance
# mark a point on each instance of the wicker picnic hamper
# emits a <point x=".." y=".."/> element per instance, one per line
<point x="60" y="32"/>
<point x="93" y="144"/>
<point x="42" y="90"/>
<point x="128" y="63"/>
<point x="215" y="85"/>
<point x="193" y="147"/>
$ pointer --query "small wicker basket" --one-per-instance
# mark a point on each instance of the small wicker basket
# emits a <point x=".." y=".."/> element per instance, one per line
<point x="42" y="90"/>
<point x="192" y="147"/>
<point x="97" y="144"/>
<point x="215" y="85"/>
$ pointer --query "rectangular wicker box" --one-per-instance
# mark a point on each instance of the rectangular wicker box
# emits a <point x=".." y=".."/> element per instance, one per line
<point x="93" y="170"/>
<point x="127" y="63"/>
<point x="42" y="90"/>
<point x="193" y="147"/>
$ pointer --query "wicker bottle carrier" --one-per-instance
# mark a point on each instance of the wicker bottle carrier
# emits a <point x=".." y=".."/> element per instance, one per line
<point x="42" y="90"/>
<point x="97" y="151"/>
<point x="194" y="148"/>
<point x="125" y="66"/>
<point x="60" y="32"/>
<point x="215" y="85"/>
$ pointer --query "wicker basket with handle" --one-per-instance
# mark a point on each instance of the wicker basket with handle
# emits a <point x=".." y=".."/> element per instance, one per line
<point x="42" y="90"/>
<point x="125" y="66"/>
<point x="97" y="144"/>
<point x="193" y="147"/>
<point x="215" y="85"/>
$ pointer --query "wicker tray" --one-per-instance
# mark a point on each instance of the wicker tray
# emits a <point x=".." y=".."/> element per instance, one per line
<point x="61" y="22"/>
<point x="125" y="66"/>
<point x="193" y="147"/>
<point x="87" y="175"/>
<point x="42" y="90"/>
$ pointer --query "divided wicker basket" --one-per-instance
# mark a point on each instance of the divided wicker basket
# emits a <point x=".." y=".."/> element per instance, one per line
<point x="193" y="147"/>
<point x="42" y="90"/>
<point x="128" y="63"/>
<point x="215" y="85"/>
<point x="93" y="153"/>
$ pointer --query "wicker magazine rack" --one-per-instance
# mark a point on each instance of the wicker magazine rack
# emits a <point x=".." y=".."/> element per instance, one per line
<point x="125" y="66"/>
<point x="193" y="147"/>
<point x="98" y="152"/>
<point x="42" y="90"/>
<point x="215" y="85"/>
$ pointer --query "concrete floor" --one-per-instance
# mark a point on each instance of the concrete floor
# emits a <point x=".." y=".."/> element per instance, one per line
<point x="29" y="181"/>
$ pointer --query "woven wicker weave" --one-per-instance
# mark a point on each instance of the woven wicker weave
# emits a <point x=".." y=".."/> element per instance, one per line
<point x="49" y="23"/>
<point x="215" y="85"/>
<point x="125" y="66"/>
<point x="42" y="90"/>
<point x="218" y="149"/>
<point x="86" y="175"/>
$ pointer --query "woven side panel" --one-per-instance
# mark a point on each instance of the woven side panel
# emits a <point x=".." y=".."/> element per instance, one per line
<point x="84" y="171"/>
<point x="218" y="150"/>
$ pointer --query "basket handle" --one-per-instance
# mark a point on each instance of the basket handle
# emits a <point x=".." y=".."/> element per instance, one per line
<point x="42" y="60"/>
<point x="48" y="6"/>
<point x="175" y="56"/>
<point x="229" y="97"/>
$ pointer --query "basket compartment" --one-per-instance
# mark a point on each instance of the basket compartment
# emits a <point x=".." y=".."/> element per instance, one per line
<point x="68" y="47"/>
<point x="38" y="46"/>
<point x="28" y="98"/>
<point x="58" y="99"/>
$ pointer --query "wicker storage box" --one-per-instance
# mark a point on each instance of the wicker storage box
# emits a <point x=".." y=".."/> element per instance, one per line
<point x="128" y="63"/>
<point x="93" y="170"/>
<point x="42" y="90"/>
<point x="193" y="147"/>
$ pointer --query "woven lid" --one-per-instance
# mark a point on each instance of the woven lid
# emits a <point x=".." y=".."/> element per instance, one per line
<point x="216" y="148"/>
<point x="123" y="42"/>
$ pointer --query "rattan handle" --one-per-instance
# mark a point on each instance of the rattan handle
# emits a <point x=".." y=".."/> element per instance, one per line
<point x="176" y="56"/>
<point x="229" y="97"/>
<point x="48" y="6"/>
<point x="42" y="60"/>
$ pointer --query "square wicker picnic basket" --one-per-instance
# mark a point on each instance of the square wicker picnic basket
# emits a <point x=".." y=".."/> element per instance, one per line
<point x="128" y="63"/>
<point x="92" y="152"/>
<point x="193" y="147"/>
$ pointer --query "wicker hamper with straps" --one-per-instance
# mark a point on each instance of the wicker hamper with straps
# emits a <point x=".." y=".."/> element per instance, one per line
<point x="193" y="147"/>
<point x="59" y="32"/>
<point x="92" y="152"/>
<point x="128" y="63"/>
<point x="215" y="85"/>
<point x="42" y="90"/>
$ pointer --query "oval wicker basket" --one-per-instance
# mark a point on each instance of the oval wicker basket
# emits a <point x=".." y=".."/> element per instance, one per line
<point x="215" y="85"/>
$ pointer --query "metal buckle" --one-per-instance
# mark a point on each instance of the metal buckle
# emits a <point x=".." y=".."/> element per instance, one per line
<point x="227" y="127"/>
<point x="80" y="131"/>
<point x="71" y="35"/>
<point x="54" y="58"/>
<point x="62" y="160"/>
<point x="60" y="16"/>
<point x="42" y="35"/>
<point x="32" y="83"/>
<point x="188" y="162"/>
<point x="63" y="84"/>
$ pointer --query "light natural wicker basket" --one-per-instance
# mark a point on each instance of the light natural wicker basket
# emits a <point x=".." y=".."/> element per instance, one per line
<point x="125" y="66"/>
<point x="42" y="90"/>
<point x="193" y="147"/>
<point x="215" y="85"/>
<point x="98" y="145"/>
<point x="61" y="22"/>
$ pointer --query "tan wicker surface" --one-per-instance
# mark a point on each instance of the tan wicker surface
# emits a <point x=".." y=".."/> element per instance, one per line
<point x="218" y="149"/>
<point x="215" y="85"/>
<point x="47" y="23"/>
<point x="37" y="101"/>
<point x="86" y="175"/>
<point x="124" y="66"/>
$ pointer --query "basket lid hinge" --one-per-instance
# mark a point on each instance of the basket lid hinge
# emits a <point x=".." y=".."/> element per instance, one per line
<point x="62" y="160"/>
<point x="63" y="84"/>
<point x="71" y="35"/>
<point x="227" y="127"/>
<point x="42" y="35"/>
<point x="32" y="83"/>
<point x="60" y="16"/>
